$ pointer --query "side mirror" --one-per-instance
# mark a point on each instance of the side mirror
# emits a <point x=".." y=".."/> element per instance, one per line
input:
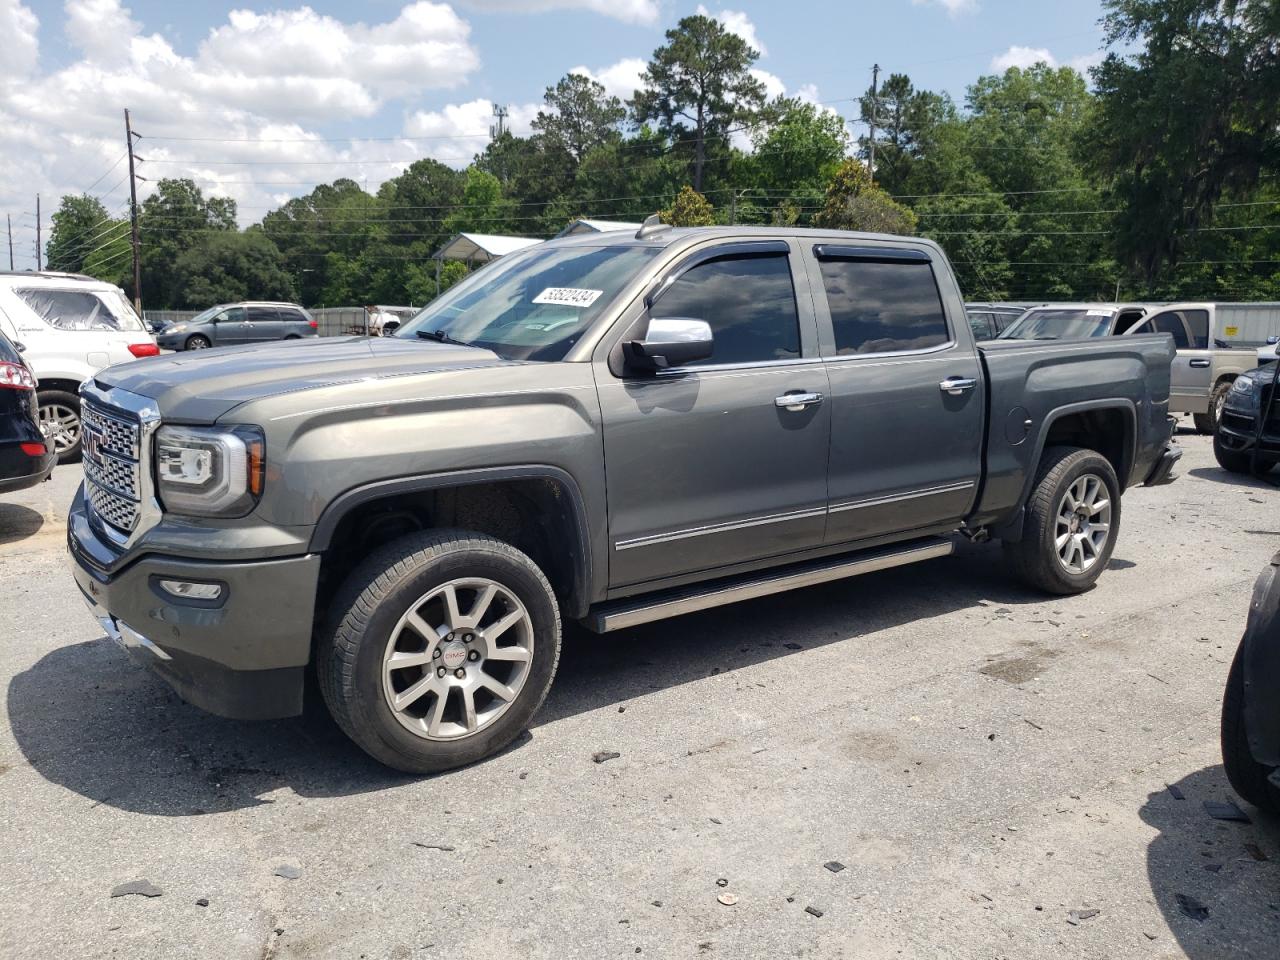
<point x="671" y="342"/>
<point x="19" y="346"/>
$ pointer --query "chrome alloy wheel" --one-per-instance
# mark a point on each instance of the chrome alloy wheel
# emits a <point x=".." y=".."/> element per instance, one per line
<point x="1083" y="523"/>
<point x="448" y="674"/>
<point x="61" y="425"/>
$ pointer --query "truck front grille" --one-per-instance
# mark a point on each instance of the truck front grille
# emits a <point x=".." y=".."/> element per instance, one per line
<point x="112" y="461"/>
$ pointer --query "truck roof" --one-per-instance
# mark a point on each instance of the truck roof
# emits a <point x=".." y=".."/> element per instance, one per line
<point x="673" y="235"/>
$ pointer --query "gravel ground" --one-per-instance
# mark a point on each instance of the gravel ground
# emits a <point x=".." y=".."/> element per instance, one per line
<point x="982" y="761"/>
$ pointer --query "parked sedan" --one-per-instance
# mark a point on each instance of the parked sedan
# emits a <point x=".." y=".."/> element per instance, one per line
<point x="25" y="457"/>
<point x="1251" y="705"/>
<point x="232" y="323"/>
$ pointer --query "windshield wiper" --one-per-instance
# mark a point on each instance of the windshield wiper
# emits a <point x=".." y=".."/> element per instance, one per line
<point x="441" y="337"/>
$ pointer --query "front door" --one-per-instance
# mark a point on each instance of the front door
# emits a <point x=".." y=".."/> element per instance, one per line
<point x="230" y="326"/>
<point x="907" y="404"/>
<point x="1191" y="374"/>
<point x="710" y="465"/>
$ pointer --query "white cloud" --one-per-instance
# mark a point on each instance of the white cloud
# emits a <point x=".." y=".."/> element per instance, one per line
<point x="621" y="79"/>
<point x="18" y="26"/>
<point x="1086" y="61"/>
<point x="773" y="86"/>
<point x="736" y="21"/>
<point x="954" y="8"/>
<point x="628" y="11"/>
<point x="461" y="130"/>
<point x="102" y="29"/>
<point x="1023" y="57"/>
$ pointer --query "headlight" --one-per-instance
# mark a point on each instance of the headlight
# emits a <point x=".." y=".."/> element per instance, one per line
<point x="175" y="328"/>
<point x="1242" y="384"/>
<point x="209" y="471"/>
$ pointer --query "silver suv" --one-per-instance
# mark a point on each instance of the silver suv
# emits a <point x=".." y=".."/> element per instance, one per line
<point x="233" y="323"/>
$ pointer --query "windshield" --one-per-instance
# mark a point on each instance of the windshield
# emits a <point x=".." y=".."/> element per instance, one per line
<point x="532" y="305"/>
<point x="81" y="309"/>
<point x="1059" y="324"/>
<point x="202" y="316"/>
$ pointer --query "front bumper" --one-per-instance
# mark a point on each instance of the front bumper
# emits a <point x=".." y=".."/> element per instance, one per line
<point x="1238" y="431"/>
<point x="241" y="656"/>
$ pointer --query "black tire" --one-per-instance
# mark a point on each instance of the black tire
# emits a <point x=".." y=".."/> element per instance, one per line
<point x="1034" y="558"/>
<point x="1248" y="777"/>
<point x="293" y="336"/>
<point x="366" y="610"/>
<point x="197" y="342"/>
<point x="1235" y="461"/>
<point x="1207" y="423"/>
<point x="69" y="401"/>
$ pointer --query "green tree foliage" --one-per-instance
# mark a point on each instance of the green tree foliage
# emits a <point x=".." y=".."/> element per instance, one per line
<point x="579" y="116"/>
<point x="853" y="202"/>
<point x="699" y="86"/>
<point x="689" y="209"/>
<point x="174" y="219"/>
<point x="230" y="265"/>
<point x="795" y="157"/>
<point x="1193" y="116"/>
<point x="81" y="230"/>
<point x="484" y="209"/>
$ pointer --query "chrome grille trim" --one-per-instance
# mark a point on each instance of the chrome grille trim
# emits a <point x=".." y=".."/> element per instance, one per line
<point x="118" y="488"/>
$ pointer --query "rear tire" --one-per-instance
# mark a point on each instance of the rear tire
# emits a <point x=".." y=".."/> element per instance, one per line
<point x="197" y="343"/>
<point x="463" y="690"/>
<point x="1207" y="423"/>
<point x="60" y="423"/>
<point x="1065" y="548"/>
<point x="1248" y="777"/>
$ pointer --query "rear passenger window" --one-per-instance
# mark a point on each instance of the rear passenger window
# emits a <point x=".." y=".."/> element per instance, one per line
<point x="1198" y="324"/>
<point x="883" y="307"/>
<point x="1171" y="323"/>
<point x="749" y="301"/>
<point x="262" y="314"/>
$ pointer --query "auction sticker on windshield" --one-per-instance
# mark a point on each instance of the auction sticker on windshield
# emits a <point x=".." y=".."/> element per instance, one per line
<point x="568" y="296"/>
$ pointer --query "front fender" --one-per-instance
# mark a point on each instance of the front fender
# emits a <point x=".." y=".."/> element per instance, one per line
<point x="1260" y="660"/>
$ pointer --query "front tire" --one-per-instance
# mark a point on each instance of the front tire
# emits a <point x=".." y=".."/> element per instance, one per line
<point x="1234" y="461"/>
<point x="1072" y="519"/>
<point x="442" y="647"/>
<point x="60" y="423"/>
<point x="1248" y="777"/>
<point x="197" y="343"/>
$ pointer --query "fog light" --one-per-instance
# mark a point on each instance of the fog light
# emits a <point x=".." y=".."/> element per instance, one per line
<point x="192" y="591"/>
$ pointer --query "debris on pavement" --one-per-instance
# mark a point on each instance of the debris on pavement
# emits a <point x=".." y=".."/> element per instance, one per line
<point x="835" y="866"/>
<point x="716" y="820"/>
<point x="141" y="888"/>
<point x="1193" y="908"/>
<point x="600" y="756"/>
<point x="1074" y="917"/>
<point x="722" y="882"/>
<point x="1225" y="810"/>
<point x="1175" y="792"/>
<point x="793" y="646"/>
<point x="1255" y="851"/>
<point x="288" y="871"/>
<point x="813" y="911"/>
<point x="202" y="902"/>
<point x="728" y="899"/>
<point x="433" y="846"/>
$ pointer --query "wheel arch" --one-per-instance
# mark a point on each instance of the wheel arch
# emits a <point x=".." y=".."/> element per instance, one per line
<point x="538" y="508"/>
<point x="1107" y="426"/>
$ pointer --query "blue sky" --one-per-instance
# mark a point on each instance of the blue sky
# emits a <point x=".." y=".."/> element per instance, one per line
<point x="257" y="83"/>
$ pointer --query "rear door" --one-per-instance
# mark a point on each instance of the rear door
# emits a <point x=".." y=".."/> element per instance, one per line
<point x="907" y="404"/>
<point x="265" y="324"/>
<point x="708" y="465"/>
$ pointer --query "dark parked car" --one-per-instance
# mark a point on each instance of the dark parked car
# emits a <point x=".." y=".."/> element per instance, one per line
<point x="988" y="320"/>
<point x="25" y="458"/>
<point x="234" y="323"/>
<point x="1238" y="445"/>
<point x="1251" y="705"/>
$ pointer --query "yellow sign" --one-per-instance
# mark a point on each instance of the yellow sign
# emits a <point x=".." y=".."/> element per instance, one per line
<point x="1231" y="331"/>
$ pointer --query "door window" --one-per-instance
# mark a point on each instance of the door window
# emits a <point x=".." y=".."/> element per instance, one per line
<point x="982" y="325"/>
<point x="262" y="314"/>
<point x="234" y="315"/>
<point x="883" y="307"/>
<point x="1171" y="323"/>
<point x="749" y="302"/>
<point x="1198" y="324"/>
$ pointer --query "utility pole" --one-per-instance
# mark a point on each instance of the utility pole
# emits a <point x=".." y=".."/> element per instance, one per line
<point x="9" y="223"/>
<point x="39" y="264"/>
<point x="133" y="216"/>
<point x="875" y="106"/>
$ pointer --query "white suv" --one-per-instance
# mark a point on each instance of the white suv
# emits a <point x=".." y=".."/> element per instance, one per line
<point x="70" y="327"/>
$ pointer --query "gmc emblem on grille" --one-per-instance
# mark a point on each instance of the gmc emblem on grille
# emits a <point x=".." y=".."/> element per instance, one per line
<point x="93" y="445"/>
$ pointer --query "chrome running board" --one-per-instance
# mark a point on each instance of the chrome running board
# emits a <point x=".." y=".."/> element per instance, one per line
<point x="619" y="614"/>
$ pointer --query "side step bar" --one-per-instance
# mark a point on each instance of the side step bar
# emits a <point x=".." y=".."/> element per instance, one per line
<point x="630" y="612"/>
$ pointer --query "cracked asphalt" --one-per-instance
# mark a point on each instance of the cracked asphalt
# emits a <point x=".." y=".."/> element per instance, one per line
<point x="990" y="767"/>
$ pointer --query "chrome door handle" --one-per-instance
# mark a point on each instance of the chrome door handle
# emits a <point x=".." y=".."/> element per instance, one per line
<point x="957" y="385"/>
<point x="1199" y="363"/>
<point x="797" y="401"/>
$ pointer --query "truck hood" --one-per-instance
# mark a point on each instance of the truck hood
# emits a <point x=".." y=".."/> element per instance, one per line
<point x="201" y="386"/>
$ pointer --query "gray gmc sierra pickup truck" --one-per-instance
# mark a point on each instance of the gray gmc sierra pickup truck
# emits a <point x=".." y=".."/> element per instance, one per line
<point x="610" y="429"/>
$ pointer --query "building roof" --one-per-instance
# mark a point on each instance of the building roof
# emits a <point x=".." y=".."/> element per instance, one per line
<point x="597" y="226"/>
<point x="482" y="247"/>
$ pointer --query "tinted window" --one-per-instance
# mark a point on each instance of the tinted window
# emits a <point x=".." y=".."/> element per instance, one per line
<point x="234" y="315"/>
<point x="982" y="325"/>
<point x="748" y="301"/>
<point x="1198" y="324"/>
<point x="1171" y="323"/>
<point x="262" y="314"/>
<point x="289" y="315"/>
<point x="80" y="309"/>
<point x="1060" y="324"/>
<point x="880" y="307"/>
